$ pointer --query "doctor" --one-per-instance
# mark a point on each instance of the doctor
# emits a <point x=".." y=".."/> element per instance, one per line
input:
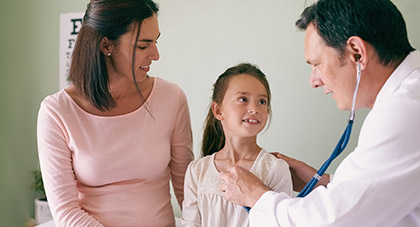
<point x="378" y="183"/>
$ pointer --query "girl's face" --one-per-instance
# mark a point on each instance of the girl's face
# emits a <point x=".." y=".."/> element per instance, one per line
<point x="146" y="51"/>
<point x="244" y="108"/>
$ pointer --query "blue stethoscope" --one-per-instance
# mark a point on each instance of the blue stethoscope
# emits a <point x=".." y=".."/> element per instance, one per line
<point x="341" y="145"/>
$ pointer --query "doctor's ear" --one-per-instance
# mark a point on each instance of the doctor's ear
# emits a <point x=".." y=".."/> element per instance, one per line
<point x="357" y="48"/>
<point x="357" y="57"/>
<point x="215" y="108"/>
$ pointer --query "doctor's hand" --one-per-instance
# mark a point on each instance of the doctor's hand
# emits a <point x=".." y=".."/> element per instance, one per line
<point x="301" y="172"/>
<point x="241" y="186"/>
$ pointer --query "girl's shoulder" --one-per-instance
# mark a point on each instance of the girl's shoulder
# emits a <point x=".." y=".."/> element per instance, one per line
<point x="203" y="168"/>
<point x="202" y="163"/>
<point x="266" y="165"/>
<point x="273" y="172"/>
<point x="269" y="160"/>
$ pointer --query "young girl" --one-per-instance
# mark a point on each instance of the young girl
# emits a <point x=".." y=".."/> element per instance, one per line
<point x="238" y="112"/>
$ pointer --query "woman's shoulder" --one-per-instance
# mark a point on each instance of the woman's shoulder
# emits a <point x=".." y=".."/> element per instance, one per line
<point x="56" y="106"/>
<point x="165" y="90"/>
<point x="168" y="90"/>
<point x="56" y="100"/>
<point x="165" y="85"/>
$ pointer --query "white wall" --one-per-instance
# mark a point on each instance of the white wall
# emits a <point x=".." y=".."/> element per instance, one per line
<point x="200" y="39"/>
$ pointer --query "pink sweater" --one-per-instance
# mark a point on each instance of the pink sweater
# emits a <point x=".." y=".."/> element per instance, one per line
<point x="115" y="171"/>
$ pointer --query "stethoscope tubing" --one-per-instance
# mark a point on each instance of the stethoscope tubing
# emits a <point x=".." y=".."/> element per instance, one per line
<point x="341" y="145"/>
<point x="339" y="148"/>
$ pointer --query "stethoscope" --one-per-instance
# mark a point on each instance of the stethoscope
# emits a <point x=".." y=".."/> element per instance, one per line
<point x="341" y="145"/>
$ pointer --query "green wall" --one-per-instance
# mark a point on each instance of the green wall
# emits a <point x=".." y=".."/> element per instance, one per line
<point x="29" y="42"/>
<point x="28" y="72"/>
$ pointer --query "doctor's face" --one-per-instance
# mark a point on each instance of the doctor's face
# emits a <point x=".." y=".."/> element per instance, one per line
<point x="330" y="70"/>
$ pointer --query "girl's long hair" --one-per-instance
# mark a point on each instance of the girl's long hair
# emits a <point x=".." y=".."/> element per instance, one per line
<point x="214" y="137"/>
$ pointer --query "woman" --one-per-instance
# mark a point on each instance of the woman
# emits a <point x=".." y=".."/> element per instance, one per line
<point x="109" y="144"/>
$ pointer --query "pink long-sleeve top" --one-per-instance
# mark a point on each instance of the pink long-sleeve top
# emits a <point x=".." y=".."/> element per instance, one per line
<point x="115" y="171"/>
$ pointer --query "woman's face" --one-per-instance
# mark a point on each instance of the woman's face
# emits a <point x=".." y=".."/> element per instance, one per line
<point x="119" y="65"/>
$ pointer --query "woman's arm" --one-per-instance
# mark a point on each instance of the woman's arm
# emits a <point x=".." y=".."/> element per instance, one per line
<point x="57" y="171"/>
<point x="181" y="147"/>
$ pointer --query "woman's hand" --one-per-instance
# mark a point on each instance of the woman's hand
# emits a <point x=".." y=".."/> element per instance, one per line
<point x="301" y="172"/>
<point x="241" y="186"/>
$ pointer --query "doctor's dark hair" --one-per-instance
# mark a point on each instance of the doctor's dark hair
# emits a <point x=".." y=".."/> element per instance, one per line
<point x="111" y="19"/>
<point x="214" y="137"/>
<point x="378" y="22"/>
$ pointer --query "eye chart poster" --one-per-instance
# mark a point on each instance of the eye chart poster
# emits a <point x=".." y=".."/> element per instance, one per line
<point x="70" y="24"/>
